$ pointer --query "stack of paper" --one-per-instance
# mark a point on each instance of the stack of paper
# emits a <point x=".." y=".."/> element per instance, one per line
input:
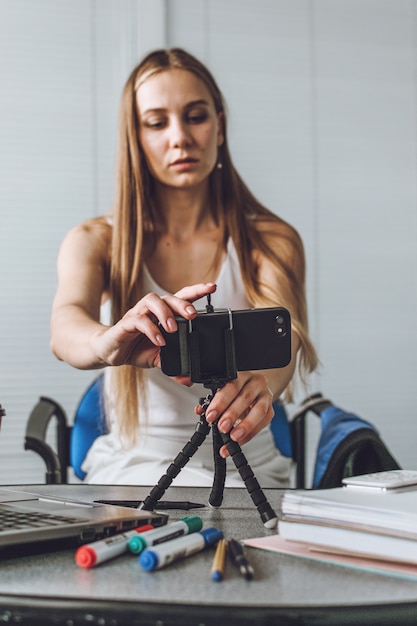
<point x="275" y="543"/>
<point x="381" y="524"/>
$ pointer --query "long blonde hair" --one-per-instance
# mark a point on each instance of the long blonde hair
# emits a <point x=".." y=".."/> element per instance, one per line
<point x="136" y="216"/>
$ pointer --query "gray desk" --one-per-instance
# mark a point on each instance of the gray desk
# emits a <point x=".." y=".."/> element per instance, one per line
<point x="51" y="589"/>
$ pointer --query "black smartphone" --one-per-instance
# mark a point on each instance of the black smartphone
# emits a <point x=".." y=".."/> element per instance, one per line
<point x="217" y="344"/>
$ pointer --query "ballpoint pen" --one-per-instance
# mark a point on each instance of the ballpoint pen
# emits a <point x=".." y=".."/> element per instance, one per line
<point x="161" y="505"/>
<point x="240" y="560"/>
<point x="219" y="561"/>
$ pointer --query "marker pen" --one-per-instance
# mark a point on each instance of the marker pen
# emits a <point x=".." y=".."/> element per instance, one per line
<point x="166" y="553"/>
<point x="105" y="549"/>
<point x="184" y="526"/>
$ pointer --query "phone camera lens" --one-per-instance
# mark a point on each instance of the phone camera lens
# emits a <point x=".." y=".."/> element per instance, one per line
<point x="280" y="328"/>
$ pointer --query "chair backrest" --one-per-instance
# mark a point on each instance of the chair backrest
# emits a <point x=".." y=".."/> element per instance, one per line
<point x="89" y="423"/>
<point x="280" y="427"/>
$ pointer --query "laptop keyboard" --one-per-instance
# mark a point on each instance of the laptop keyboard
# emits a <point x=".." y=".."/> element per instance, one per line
<point x="13" y="520"/>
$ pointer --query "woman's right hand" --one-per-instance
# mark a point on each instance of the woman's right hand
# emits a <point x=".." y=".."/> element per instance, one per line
<point x="136" y="339"/>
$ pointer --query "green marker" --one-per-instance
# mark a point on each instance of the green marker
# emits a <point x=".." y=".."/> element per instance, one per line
<point x="184" y="526"/>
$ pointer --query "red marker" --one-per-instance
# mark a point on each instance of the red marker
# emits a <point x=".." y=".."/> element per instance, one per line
<point x="94" y="553"/>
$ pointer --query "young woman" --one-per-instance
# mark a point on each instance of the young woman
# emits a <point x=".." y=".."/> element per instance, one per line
<point x="183" y="225"/>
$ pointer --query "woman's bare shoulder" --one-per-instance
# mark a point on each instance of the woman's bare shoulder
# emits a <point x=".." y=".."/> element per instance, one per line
<point x="93" y="235"/>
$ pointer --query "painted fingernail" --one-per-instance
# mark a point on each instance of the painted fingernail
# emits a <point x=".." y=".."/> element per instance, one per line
<point x="212" y="416"/>
<point x="160" y="340"/>
<point x="225" y="426"/>
<point x="190" y="310"/>
<point x="171" y="324"/>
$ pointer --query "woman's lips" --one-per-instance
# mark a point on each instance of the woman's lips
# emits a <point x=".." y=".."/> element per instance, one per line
<point x="184" y="163"/>
<point x="184" y="160"/>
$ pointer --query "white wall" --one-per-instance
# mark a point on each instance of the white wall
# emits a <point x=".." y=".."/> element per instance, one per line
<point x="322" y="107"/>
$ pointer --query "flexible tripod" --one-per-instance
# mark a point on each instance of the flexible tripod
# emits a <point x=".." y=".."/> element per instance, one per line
<point x="268" y="515"/>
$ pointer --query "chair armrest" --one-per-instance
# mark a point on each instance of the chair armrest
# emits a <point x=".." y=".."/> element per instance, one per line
<point x="35" y="438"/>
<point x="315" y="403"/>
<point x="297" y="426"/>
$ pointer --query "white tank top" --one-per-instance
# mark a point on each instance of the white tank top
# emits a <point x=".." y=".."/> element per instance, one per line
<point x="229" y="292"/>
<point x="170" y="405"/>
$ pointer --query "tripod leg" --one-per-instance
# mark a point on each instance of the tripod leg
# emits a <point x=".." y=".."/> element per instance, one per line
<point x="217" y="490"/>
<point x="267" y="513"/>
<point x="190" y="448"/>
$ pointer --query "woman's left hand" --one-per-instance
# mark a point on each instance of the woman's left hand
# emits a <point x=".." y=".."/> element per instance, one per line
<point x="244" y="406"/>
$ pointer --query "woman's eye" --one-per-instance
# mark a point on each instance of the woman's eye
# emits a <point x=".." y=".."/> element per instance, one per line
<point x="155" y="123"/>
<point x="197" y="118"/>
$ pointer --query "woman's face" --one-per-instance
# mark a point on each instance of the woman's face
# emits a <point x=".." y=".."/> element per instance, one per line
<point x="179" y="128"/>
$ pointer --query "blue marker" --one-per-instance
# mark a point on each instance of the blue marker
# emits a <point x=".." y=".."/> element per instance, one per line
<point x="184" y="526"/>
<point x="166" y="553"/>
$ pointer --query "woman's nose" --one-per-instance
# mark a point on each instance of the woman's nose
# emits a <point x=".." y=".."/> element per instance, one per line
<point x="179" y="134"/>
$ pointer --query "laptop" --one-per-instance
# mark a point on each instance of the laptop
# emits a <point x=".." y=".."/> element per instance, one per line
<point x="51" y="522"/>
<point x="46" y="521"/>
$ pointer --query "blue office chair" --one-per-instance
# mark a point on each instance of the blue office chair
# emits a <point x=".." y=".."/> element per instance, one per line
<point x="348" y="444"/>
<point x="72" y="441"/>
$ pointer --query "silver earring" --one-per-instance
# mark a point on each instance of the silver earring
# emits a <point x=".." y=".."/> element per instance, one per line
<point x="219" y="165"/>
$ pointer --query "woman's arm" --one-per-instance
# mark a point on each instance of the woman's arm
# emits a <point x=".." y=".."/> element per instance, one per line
<point x="77" y="335"/>
<point x="81" y="286"/>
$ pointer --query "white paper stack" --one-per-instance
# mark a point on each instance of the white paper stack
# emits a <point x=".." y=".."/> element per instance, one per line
<point x="364" y="521"/>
